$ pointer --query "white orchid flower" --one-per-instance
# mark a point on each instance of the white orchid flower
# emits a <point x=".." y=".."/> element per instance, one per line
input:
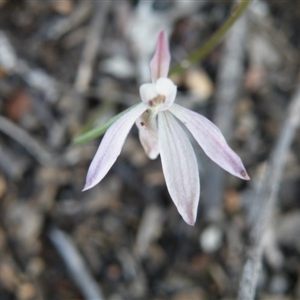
<point x="160" y="121"/>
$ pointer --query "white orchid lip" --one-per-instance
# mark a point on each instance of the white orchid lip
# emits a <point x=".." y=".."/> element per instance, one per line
<point x="147" y="125"/>
<point x="158" y="120"/>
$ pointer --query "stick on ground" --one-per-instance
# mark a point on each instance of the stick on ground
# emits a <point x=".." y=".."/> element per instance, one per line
<point x="265" y="201"/>
<point x="76" y="266"/>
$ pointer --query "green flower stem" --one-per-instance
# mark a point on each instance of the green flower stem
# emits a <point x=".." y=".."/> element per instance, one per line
<point x="99" y="112"/>
<point x="213" y="40"/>
<point x="192" y="59"/>
<point x="94" y="133"/>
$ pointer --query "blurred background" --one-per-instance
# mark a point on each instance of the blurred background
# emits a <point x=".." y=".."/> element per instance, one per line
<point x="68" y="66"/>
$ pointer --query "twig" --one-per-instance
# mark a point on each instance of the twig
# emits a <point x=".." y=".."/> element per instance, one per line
<point x="228" y="91"/>
<point x="39" y="151"/>
<point x="85" y="69"/>
<point x="263" y="25"/>
<point x="8" y="57"/>
<point x="26" y="140"/>
<point x="150" y="229"/>
<point x="79" y="15"/>
<point x="76" y="266"/>
<point x="39" y="80"/>
<point x="11" y="164"/>
<point x="266" y="195"/>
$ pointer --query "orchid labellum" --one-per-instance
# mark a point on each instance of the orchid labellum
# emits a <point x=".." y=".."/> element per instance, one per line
<point x="160" y="122"/>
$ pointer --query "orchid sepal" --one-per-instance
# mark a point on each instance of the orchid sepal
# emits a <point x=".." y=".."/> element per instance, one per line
<point x="160" y="63"/>
<point x="111" y="145"/>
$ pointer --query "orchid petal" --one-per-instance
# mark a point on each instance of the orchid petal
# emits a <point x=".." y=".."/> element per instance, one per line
<point x="147" y="125"/>
<point x="210" y="138"/>
<point x="179" y="165"/>
<point x="111" y="146"/>
<point x="160" y="63"/>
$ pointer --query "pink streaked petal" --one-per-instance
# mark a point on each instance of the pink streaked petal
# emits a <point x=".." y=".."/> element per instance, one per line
<point x="160" y="63"/>
<point x="211" y="140"/>
<point x="111" y="146"/>
<point x="147" y="125"/>
<point x="179" y="165"/>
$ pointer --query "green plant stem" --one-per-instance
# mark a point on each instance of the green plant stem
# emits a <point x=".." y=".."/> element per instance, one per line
<point x="94" y="133"/>
<point x="193" y="58"/>
<point x="213" y="40"/>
